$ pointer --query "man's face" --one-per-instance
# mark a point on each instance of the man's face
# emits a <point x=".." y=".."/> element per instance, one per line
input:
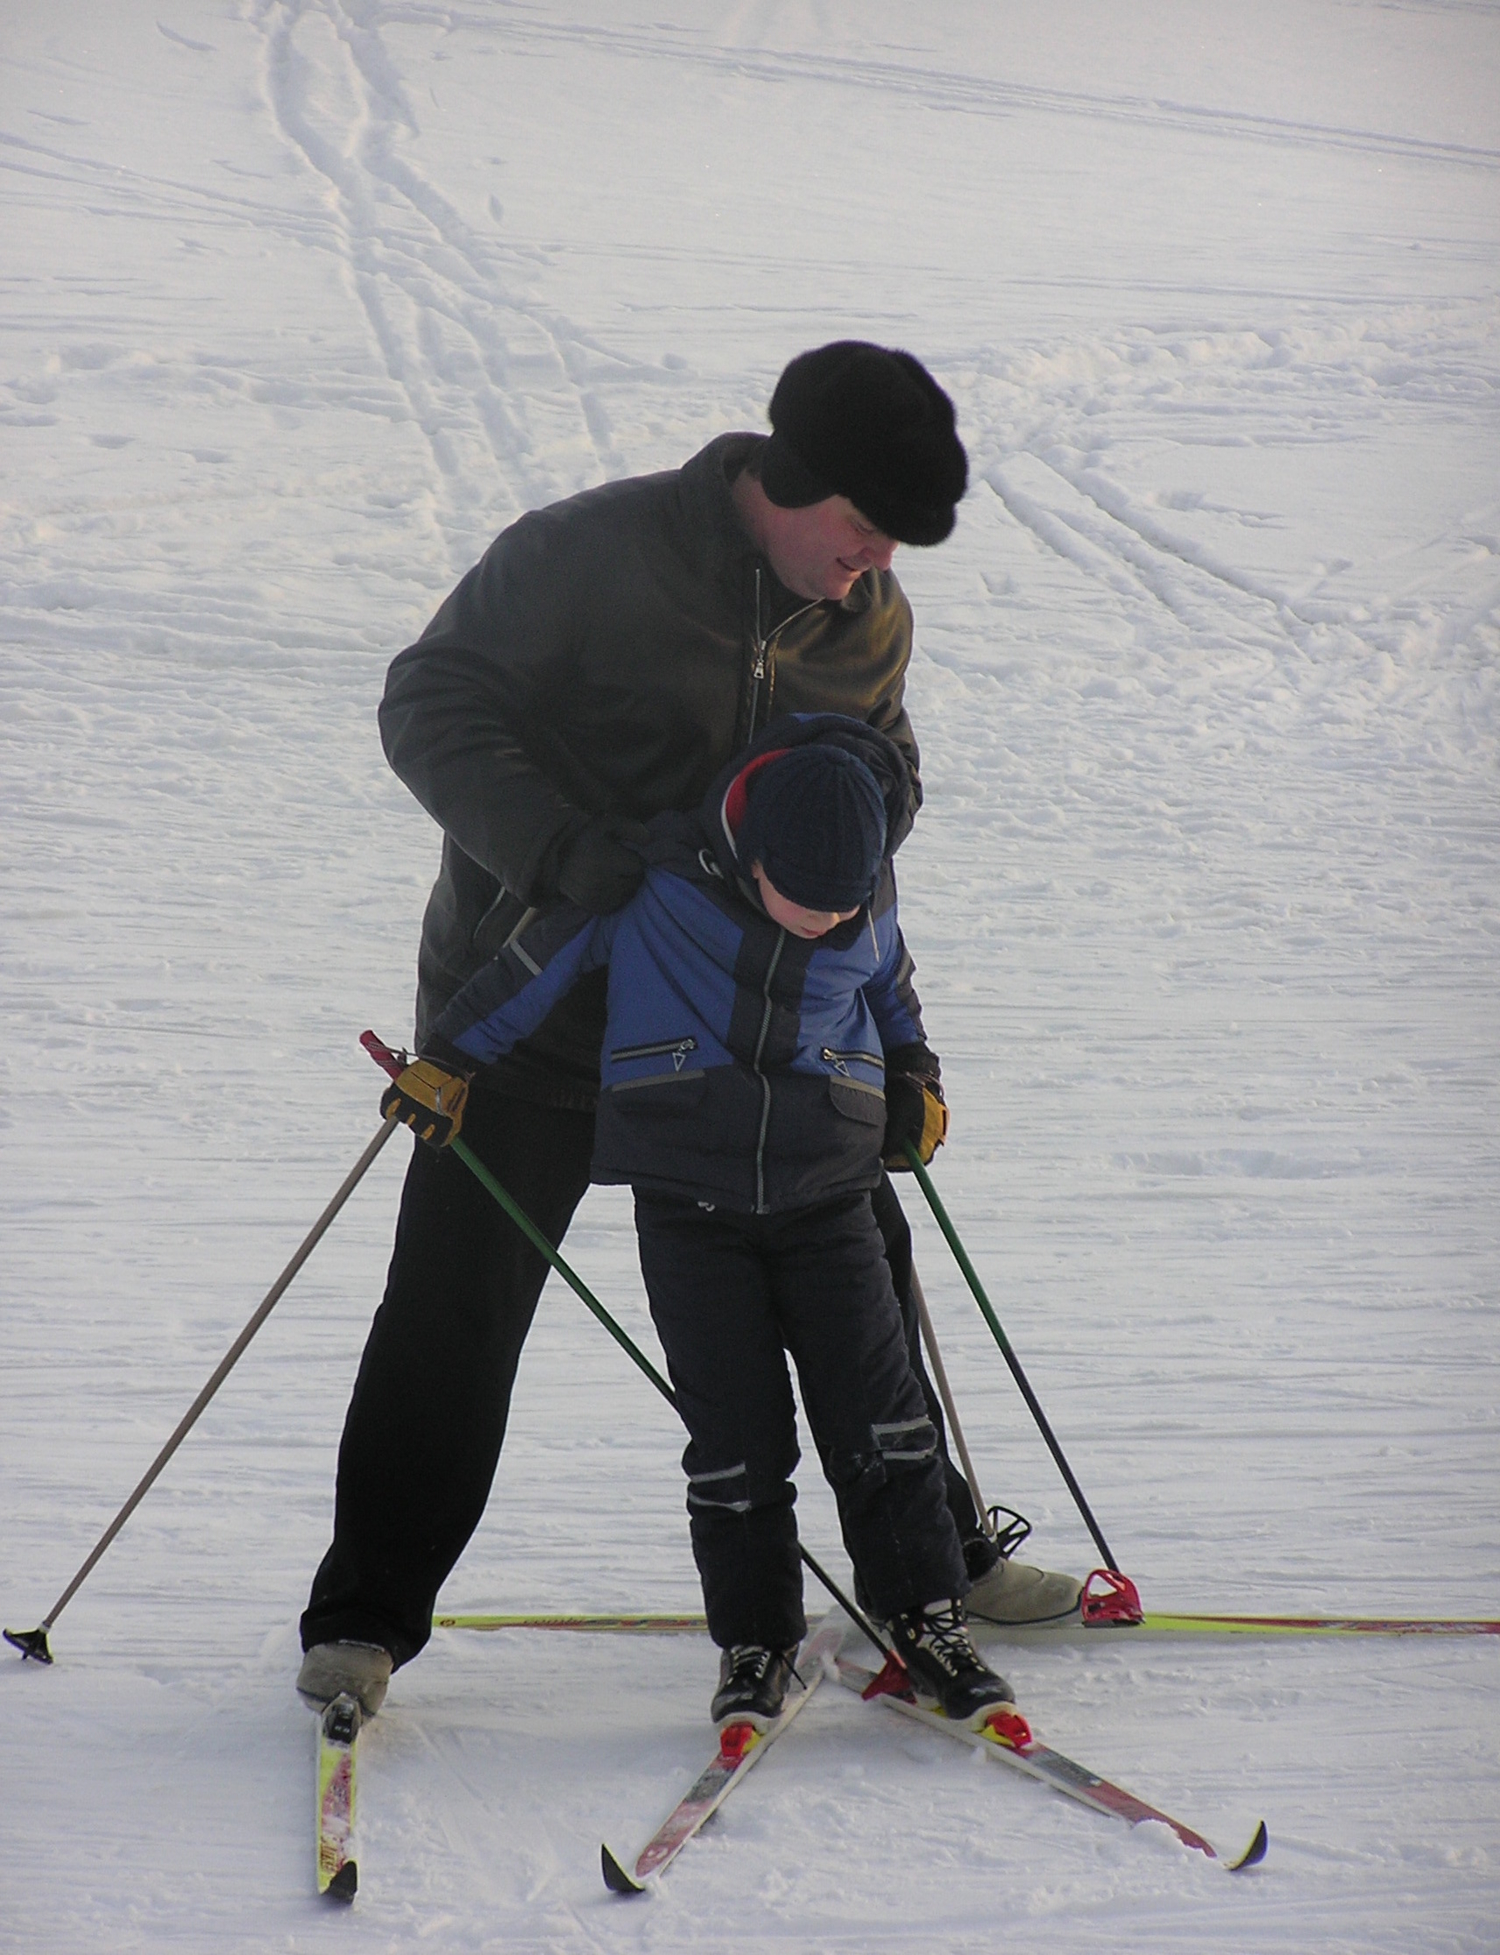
<point x="821" y="550"/>
<point x="796" y="917"/>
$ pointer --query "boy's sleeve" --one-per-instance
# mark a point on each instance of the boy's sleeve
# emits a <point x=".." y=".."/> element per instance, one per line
<point x="506" y="1000"/>
<point x="892" y="998"/>
<point x="891" y="993"/>
<point x="916" y="1114"/>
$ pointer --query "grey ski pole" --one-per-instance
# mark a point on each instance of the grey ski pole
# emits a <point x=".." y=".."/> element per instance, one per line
<point x="945" y="1393"/>
<point x="33" y="1642"/>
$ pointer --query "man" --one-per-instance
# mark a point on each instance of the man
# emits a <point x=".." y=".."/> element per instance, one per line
<point x="600" y="664"/>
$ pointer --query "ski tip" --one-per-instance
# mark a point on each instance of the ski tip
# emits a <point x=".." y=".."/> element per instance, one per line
<point x="32" y="1643"/>
<point x="615" y="1877"/>
<point x="345" y="1883"/>
<point x="1254" y="1853"/>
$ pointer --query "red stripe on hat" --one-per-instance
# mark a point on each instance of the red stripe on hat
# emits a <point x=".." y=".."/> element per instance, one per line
<point x="738" y="798"/>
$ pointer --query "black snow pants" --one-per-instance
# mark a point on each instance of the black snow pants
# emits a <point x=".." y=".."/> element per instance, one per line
<point x="731" y="1296"/>
<point x="425" y="1423"/>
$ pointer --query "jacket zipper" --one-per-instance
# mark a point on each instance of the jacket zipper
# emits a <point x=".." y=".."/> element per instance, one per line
<point x="765" y="1084"/>
<point x="758" y="664"/>
<point x="679" y="1049"/>
<point x="840" y="1060"/>
<point x="762" y="668"/>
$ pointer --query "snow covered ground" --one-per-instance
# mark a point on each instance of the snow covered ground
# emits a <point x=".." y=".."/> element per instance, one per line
<point x="303" y="300"/>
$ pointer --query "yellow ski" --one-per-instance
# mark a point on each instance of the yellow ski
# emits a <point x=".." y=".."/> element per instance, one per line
<point x="338" y="1732"/>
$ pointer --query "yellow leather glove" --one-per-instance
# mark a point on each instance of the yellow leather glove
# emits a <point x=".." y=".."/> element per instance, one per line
<point x="430" y="1099"/>
<point x="915" y="1112"/>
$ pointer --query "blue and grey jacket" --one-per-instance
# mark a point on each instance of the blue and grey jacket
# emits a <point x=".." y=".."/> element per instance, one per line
<point x="741" y="1065"/>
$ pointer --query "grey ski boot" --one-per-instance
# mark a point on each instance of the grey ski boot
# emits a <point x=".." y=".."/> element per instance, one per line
<point x="358" y="1670"/>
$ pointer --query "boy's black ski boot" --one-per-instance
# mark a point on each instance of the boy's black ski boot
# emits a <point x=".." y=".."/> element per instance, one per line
<point x="752" y="1685"/>
<point x="935" y="1645"/>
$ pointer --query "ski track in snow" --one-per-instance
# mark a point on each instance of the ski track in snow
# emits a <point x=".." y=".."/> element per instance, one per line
<point x="951" y="89"/>
<point x="308" y="297"/>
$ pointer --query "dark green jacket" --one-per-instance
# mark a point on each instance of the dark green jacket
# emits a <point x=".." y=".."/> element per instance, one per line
<point x="608" y="655"/>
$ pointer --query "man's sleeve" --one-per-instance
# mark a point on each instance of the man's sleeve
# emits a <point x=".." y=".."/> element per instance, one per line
<point x="508" y="998"/>
<point x="458" y="701"/>
<point x="889" y="715"/>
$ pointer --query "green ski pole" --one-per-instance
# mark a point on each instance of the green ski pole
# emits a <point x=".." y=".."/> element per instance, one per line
<point x="1128" y="1604"/>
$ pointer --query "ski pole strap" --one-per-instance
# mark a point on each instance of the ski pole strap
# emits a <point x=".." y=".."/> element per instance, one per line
<point x="934" y="1202"/>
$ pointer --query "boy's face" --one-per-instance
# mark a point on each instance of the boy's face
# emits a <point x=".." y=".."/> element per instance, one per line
<point x="801" y="921"/>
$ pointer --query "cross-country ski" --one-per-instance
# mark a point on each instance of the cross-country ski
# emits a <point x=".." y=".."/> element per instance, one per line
<point x="1153" y="1623"/>
<point x="1012" y="1742"/>
<point x="741" y="1746"/>
<point x="338" y="1740"/>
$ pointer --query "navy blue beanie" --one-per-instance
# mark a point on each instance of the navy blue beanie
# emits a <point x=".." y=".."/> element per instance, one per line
<point x="816" y="824"/>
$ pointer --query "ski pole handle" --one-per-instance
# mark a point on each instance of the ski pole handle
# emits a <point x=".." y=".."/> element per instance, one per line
<point x="388" y="1061"/>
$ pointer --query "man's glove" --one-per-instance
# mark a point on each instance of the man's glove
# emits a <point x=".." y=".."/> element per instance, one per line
<point x="430" y="1099"/>
<point x="915" y="1110"/>
<point x="602" y="867"/>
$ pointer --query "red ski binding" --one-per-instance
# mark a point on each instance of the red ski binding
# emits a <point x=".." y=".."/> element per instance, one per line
<point x="1007" y="1727"/>
<point x="735" y="1740"/>
<point x="1118" y="1602"/>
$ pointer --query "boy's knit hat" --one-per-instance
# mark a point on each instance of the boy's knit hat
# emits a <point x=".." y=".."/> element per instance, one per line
<point x="815" y="821"/>
<point x="870" y="423"/>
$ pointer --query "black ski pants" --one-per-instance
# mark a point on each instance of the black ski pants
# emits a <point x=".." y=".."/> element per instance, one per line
<point x="731" y="1296"/>
<point x="425" y="1423"/>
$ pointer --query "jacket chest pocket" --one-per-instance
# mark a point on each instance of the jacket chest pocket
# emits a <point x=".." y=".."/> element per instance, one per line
<point x="663" y="1092"/>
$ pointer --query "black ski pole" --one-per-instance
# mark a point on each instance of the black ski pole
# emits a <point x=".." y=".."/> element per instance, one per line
<point x="934" y="1201"/>
<point x="394" y="1064"/>
<point x="33" y="1642"/>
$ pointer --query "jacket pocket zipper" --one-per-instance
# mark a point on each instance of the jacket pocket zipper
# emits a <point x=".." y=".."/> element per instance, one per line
<point x="840" y="1060"/>
<point x="678" y="1049"/>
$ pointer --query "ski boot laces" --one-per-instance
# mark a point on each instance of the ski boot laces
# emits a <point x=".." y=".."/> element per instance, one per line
<point x="941" y="1632"/>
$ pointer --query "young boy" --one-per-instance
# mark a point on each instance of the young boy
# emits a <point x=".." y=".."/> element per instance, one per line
<point x="763" y="1055"/>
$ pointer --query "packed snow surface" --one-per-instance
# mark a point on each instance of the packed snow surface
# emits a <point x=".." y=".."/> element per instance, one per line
<point x="304" y="299"/>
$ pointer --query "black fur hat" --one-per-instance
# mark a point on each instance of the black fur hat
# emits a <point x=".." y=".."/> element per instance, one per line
<point x="870" y="423"/>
